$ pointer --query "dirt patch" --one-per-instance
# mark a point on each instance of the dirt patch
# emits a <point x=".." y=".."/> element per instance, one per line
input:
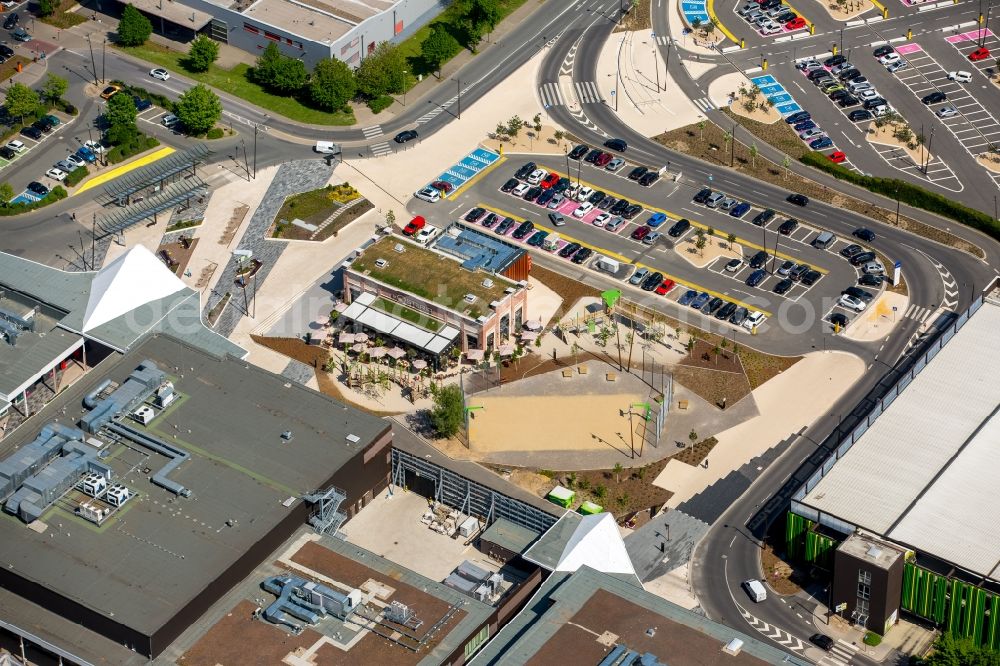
<point x="713" y="386"/>
<point x="567" y="288"/>
<point x="845" y="11"/>
<point x="990" y="161"/>
<point x="638" y="18"/>
<point x="176" y="255"/>
<point x="621" y="491"/>
<point x="753" y="107"/>
<point x="696" y="454"/>
<point x="717" y="356"/>
<point x="235" y="220"/>
<point x="239" y="639"/>
<point x="529" y="139"/>
<point x="781" y="575"/>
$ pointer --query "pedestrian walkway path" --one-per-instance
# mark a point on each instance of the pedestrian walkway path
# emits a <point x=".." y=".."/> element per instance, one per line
<point x="841" y="654"/>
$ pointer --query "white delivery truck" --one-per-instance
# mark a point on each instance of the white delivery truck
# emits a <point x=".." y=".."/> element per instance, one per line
<point x="550" y="242"/>
<point x="327" y="148"/>
<point x="607" y="264"/>
<point x="755" y="589"/>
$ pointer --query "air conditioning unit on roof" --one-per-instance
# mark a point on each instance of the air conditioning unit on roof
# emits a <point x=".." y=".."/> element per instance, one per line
<point x="470" y="298"/>
<point x="381" y="263"/>
<point x="487" y="283"/>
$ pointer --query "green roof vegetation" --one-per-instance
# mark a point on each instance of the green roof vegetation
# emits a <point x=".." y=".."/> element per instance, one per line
<point x="431" y="276"/>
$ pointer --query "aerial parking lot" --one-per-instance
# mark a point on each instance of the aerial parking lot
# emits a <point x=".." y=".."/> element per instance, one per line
<point x="714" y="258"/>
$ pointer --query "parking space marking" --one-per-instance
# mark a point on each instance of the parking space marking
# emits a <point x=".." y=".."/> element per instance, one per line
<point x="30" y="144"/>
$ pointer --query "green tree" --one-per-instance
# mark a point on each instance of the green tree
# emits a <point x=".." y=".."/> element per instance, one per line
<point x="199" y="109"/>
<point x="120" y="114"/>
<point x="45" y="8"/>
<point x="133" y="28"/>
<point x="382" y="72"/>
<point x="266" y="69"/>
<point x="700" y="243"/>
<point x="484" y="15"/>
<point x="203" y="52"/>
<point x="693" y="436"/>
<point x="600" y="491"/>
<point x="20" y="100"/>
<point x="731" y="239"/>
<point x="701" y="128"/>
<point x="439" y="47"/>
<point x="617" y="469"/>
<point x="332" y="84"/>
<point x="448" y="412"/>
<point x="949" y="651"/>
<point x="54" y="88"/>
<point x="753" y="155"/>
<point x="292" y="76"/>
<point x="6" y="193"/>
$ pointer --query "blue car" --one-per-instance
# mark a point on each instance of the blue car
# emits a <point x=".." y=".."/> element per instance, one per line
<point x="87" y="154"/>
<point x="740" y="209"/>
<point x="655" y="220"/>
<point x="804" y="125"/>
<point x="821" y="143"/>
<point x="688" y="296"/>
<point x="141" y="104"/>
<point x="756" y="277"/>
<point x="798" y="117"/>
<point x="699" y="302"/>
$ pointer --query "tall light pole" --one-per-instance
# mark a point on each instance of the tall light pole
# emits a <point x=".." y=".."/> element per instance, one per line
<point x="104" y="60"/>
<point x="406" y="80"/>
<point x="93" y="62"/>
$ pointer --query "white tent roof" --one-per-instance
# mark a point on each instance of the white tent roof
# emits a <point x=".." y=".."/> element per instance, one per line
<point x="598" y="544"/>
<point x="130" y="281"/>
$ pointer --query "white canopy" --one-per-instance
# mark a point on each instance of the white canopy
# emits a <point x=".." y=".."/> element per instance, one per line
<point x="130" y="281"/>
<point x="597" y="544"/>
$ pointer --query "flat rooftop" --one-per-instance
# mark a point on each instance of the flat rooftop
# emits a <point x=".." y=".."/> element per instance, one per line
<point x="925" y="473"/>
<point x="299" y="19"/>
<point x="33" y="350"/>
<point x="477" y="249"/>
<point x="431" y="275"/>
<point x="160" y="552"/>
<point x="587" y="613"/>
<point x="864" y="547"/>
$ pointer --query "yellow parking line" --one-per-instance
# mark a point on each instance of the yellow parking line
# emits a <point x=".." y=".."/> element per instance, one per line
<point x="675" y="216"/>
<point x="479" y="175"/>
<point x="102" y="178"/>
<point x="623" y="258"/>
<point x="792" y="7"/>
<point x="881" y="7"/>
<point x="710" y="6"/>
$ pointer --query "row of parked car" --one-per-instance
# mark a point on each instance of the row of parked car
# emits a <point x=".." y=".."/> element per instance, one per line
<point x="770" y="16"/>
<point x="602" y="159"/>
<point x="540" y="238"/>
<point x="847" y="86"/>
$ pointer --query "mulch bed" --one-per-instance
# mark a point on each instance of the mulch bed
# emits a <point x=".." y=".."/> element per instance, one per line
<point x="712" y="385"/>
<point x="703" y="356"/>
<point x="633" y="485"/>
<point x="638" y="18"/>
<point x="180" y="254"/>
<point x="696" y="454"/>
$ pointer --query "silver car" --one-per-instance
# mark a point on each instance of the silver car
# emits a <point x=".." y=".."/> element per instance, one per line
<point x="615" y="164"/>
<point x="556" y="201"/>
<point x="615" y="223"/>
<point x="947" y="112"/>
<point x="639" y="275"/>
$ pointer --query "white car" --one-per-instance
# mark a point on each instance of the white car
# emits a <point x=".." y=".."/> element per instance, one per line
<point x="76" y="160"/>
<point x="770" y="28"/>
<point x="583" y="209"/>
<point x="428" y="194"/>
<point x="852" y="303"/>
<point x="889" y="58"/>
<point x="572" y="191"/>
<point x="16" y="146"/>
<point x="520" y="190"/>
<point x="584" y="193"/>
<point x="602" y="219"/>
<point x="159" y="73"/>
<point x="536" y="176"/>
<point x="753" y="320"/>
<point x="169" y="120"/>
<point x="960" y="76"/>
<point x="866" y="95"/>
<point x="56" y="174"/>
<point x="947" y="112"/>
<point x="94" y="146"/>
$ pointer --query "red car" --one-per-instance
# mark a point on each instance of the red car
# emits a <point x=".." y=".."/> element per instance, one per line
<point x="665" y="287"/>
<point x="443" y="186"/>
<point x="837" y="157"/>
<point x="982" y="53"/>
<point x="796" y="23"/>
<point x="640" y="233"/>
<point x="603" y="159"/>
<point x="549" y="181"/>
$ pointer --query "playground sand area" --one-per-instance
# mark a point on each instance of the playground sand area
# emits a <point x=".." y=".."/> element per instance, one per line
<point x="551" y="412"/>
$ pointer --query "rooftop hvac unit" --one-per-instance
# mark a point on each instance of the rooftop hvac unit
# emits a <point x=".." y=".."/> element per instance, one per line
<point x="398" y="247"/>
<point x="144" y="414"/>
<point x="92" y="512"/>
<point x="482" y="593"/>
<point x="470" y="298"/>
<point x="92" y="484"/>
<point x="488" y="283"/>
<point x="381" y="263"/>
<point x="118" y="495"/>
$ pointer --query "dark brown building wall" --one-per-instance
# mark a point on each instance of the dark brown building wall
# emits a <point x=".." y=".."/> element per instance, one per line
<point x="361" y="480"/>
<point x="519" y="268"/>
<point x="886" y="588"/>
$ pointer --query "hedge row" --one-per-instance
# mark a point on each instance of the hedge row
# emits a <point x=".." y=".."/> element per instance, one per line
<point x="139" y="143"/>
<point x="908" y="193"/>
<point x="76" y="175"/>
<point x="54" y="195"/>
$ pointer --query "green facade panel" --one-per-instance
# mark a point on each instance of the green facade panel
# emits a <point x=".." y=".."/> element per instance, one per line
<point x="962" y="609"/>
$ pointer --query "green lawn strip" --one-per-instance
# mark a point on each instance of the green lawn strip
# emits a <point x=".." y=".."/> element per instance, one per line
<point x="235" y="82"/>
<point x="311" y="207"/>
<point x="403" y="312"/>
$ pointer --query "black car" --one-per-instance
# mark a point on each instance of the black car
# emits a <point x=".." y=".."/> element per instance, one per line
<point x="838" y="319"/>
<point x="864" y="234"/>
<point x="678" y="228"/>
<point x="883" y="50"/>
<point x="524" y="229"/>
<point x="702" y="195"/>
<point x="810" y="276"/>
<point x="870" y="104"/>
<point x="7" y="153"/>
<point x="32" y="133"/>
<point x="849" y="74"/>
<point x="405" y="135"/>
<point x="569" y="249"/>
<point x="632" y="211"/>
<point x="620" y="207"/>
<point x="44" y="124"/>
<point x="712" y="306"/>
<point x="637" y="173"/>
<point x="783" y="286"/>
<point x="579" y="151"/>
<point x="510" y="185"/>
<point x="582" y="255"/>
<point x="759" y="259"/>
<point x="726" y="311"/>
<point x="649" y="179"/>
<point x="756" y="277"/>
<point x="593" y="155"/>
<point x="532" y="193"/>
<point x="763" y="217"/>
<point x="798" y="117"/>
<point x="817" y="74"/>
<point x="798" y="199"/>
<point x="561" y="186"/>
<point x="490" y="220"/>
<point x="617" y="144"/>
<point x="6" y="51"/>
<point x="799" y="271"/>
<point x="851" y="250"/>
<point x="862" y="258"/>
<point x="786" y="17"/>
<point x="538" y="238"/>
<point x="37" y="188"/>
<point x="10" y="21"/>
<point x="545" y="197"/>
<point x="607" y="203"/>
<point x="848" y="100"/>
<point x="141" y="104"/>
<point x="869" y="280"/>
<point x="525" y="170"/>
<point x="505" y="226"/>
<point x="652" y="281"/>
<point x="788" y="226"/>
<point x="838" y="95"/>
<point x="597" y="197"/>
<point x="860" y="293"/>
<point x="859" y="114"/>
<point x="833" y="61"/>
<point x="475" y="214"/>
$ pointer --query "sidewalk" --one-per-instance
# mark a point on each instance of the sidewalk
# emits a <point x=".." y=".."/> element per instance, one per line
<point x="904" y="637"/>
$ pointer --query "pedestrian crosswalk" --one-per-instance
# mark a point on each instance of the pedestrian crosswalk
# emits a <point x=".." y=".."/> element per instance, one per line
<point x="381" y="149"/>
<point x="550" y="94"/>
<point x="661" y="40"/>
<point x="917" y="313"/>
<point x="430" y="115"/>
<point x="372" y="132"/>
<point x="840" y="655"/>
<point x="587" y="92"/>
<point x="703" y="103"/>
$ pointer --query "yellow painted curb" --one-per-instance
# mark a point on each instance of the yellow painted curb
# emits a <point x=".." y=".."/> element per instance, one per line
<point x="674" y="217"/>
<point x="623" y="258"/>
<point x="468" y="183"/>
<point x="102" y="178"/>
<point x="710" y="5"/>
<point x="808" y="22"/>
<point x="880" y="6"/>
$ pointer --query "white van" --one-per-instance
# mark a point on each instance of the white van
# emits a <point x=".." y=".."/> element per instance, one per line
<point x="755" y="589"/>
<point x="550" y="242"/>
<point x="823" y="240"/>
<point x="326" y="148"/>
<point x="607" y="264"/>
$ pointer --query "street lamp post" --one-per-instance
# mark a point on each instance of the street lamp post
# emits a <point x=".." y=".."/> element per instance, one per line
<point x="405" y="81"/>
<point x="104" y="60"/>
<point x="93" y="63"/>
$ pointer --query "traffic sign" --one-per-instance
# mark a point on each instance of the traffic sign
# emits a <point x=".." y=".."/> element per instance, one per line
<point x="899" y="264"/>
<point x="841" y="607"/>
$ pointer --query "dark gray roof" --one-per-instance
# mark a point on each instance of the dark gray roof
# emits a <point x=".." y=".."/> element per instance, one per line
<point x="160" y="552"/>
<point x="550" y="546"/>
<point x="33" y="353"/>
<point x="511" y="536"/>
<point x="562" y="595"/>
<point x="62" y="289"/>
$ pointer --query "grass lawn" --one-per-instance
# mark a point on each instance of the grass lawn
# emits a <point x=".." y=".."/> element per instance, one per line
<point x="403" y="312"/>
<point x="312" y="207"/>
<point x="235" y="82"/>
<point x="62" y="18"/>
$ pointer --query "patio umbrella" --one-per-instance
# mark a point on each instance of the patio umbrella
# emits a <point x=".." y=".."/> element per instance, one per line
<point x="506" y="349"/>
<point x="346" y="338"/>
<point x="419" y="364"/>
<point x="359" y="348"/>
<point x="474" y="354"/>
<point x="377" y="352"/>
<point x="533" y="325"/>
<point x="361" y="337"/>
<point x="396" y="352"/>
<point x="529" y="336"/>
